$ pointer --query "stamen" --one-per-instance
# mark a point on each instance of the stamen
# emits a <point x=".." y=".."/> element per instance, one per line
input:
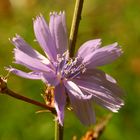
<point x="68" y="67"/>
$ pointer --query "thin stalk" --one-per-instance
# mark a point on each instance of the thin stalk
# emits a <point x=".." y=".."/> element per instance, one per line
<point x="5" y="90"/>
<point x="72" y="40"/>
<point x="28" y="100"/>
<point x="75" y="25"/>
<point x="58" y="131"/>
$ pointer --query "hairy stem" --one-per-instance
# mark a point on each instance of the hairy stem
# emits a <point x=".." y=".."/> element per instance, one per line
<point x="75" y="25"/>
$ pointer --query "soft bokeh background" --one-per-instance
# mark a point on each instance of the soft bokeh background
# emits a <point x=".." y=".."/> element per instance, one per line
<point x="107" y="19"/>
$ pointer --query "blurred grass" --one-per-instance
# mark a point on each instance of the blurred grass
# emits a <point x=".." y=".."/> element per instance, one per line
<point x="110" y="20"/>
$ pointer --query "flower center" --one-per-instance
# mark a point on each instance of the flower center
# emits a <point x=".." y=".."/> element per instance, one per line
<point x="68" y="67"/>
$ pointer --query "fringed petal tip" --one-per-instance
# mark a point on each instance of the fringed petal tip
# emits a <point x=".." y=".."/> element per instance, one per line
<point x="115" y="108"/>
<point x="115" y="47"/>
<point x="118" y="107"/>
<point x="29" y="75"/>
<point x="14" y="39"/>
<point x="21" y="47"/>
<point x="113" y="105"/>
<point x="54" y="13"/>
<point x="118" y="49"/>
<point x="102" y="56"/>
<point x="38" y="17"/>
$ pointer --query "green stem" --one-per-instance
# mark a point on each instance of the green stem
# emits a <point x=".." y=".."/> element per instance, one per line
<point x="58" y="131"/>
<point x="75" y="25"/>
<point x="72" y="40"/>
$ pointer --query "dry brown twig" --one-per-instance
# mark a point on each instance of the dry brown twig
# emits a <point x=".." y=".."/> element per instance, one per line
<point x="94" y="134"/>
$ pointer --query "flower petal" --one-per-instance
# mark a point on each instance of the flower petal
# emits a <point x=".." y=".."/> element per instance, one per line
<point x="75" y="90"/>
<point x="60" y="101"/>
<point x="88" y="47"/>
<point x="27" y="49"/>
<point x="30" y="62"/>
<point x="43" y="36"/>
<point x="50" y="78"/>
<point x="102" y="56"/>
<point x="83" y="109"/>
<point x="58" y="30"/>
<point x="103" y="91"/>
<point x="30" y="75"/>
<point x="100" y="97"/>
<point x="101" y="78"/>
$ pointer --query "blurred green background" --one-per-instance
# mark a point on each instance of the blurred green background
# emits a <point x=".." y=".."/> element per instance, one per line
<point x="107" y="19"/>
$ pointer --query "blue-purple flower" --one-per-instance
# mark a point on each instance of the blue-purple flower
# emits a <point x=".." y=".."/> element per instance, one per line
<point x="75" y="78"/>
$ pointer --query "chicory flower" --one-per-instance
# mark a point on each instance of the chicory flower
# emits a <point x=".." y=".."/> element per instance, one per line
<point x="75" y="78"/>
